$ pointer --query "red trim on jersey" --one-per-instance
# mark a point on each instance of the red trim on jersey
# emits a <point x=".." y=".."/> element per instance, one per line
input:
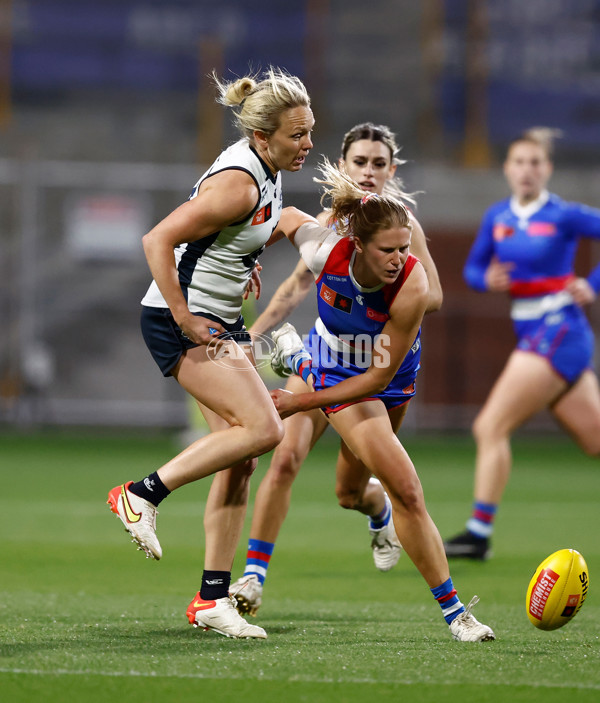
<point x="540" y="286"/>
<point x="391" y="290"/>
<point x="338" y="259"/>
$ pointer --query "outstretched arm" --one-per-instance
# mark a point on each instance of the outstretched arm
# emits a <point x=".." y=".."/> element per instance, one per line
<point x="285" y="299"/>
<point x="295" y="287"/>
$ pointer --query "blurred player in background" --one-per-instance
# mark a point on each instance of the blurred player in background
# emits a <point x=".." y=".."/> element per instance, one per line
<point x="368" y="156"/>
<point x="526" y="247"/>
<point x="372" y="295"/>
<point x="201" y="257"/>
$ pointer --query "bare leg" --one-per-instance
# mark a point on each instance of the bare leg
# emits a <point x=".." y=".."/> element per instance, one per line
<point x="526" y="386"/>
<point x="236" y="394"/>
<point x="578" y="412"/>
<point x="353" y="487"/>
<point x="274" y="493"/>
<point x="368" y="432"/>
<point x="225" y="506"/>
<point x="227" y="501"/>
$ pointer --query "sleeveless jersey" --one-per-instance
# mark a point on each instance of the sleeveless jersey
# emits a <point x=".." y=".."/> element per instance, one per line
<point x="351" y="316"/>
<point x="214" y="271"/>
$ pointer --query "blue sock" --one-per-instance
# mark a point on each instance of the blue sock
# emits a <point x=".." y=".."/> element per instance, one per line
<point x="378" y="522"/>
<point x="258" y="557"/>
<point x="300" y="364"/>
<point x="449" y="601"/>
<point x="481" y="522"/>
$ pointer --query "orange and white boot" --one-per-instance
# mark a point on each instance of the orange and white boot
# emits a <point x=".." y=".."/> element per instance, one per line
<point x="139" y="518"/>
<point x="221" y="616"/>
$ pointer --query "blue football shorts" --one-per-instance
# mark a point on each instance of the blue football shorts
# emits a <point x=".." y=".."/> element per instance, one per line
<point x="328" y="373"/>
<point x="563" y="337"/>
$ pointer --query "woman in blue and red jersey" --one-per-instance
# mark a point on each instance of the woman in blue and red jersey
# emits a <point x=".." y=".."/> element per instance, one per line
<point x="372" y="295"/>
<point x="369" y="157"/>
<point x="526" y="247"/>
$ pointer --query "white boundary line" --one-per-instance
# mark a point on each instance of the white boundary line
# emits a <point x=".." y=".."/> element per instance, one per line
<point x="295" y="679"/>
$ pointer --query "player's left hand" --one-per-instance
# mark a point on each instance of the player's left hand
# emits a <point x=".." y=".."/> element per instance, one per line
<point x="285" y="402"/>
<point x="581" y="291"/>
<point x="254" y="284"/>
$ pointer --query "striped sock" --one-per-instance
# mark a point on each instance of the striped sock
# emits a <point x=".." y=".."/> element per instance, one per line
<point x="481" y="522"/>
<point x="258" y="557"/>
<point x="449" y="602"/>
<point x="379" y="521"/>
<point x="300" y="364"/>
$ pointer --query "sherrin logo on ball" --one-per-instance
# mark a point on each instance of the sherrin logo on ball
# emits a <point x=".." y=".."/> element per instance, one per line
<point x="557" y="590"/>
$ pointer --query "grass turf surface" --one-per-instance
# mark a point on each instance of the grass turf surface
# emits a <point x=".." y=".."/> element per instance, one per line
<point x="83" y="616"/>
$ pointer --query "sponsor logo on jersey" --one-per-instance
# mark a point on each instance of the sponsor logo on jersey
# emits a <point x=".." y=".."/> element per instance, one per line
<point x="336" y="300"/>
<point x="541" y="229"/>
<point x="502" y="231"/>
<point x="263" y="215"/>
<point x="377" y="316"/>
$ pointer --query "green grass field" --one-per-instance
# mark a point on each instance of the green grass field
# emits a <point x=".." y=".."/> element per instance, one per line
<point x="85" y="617"/>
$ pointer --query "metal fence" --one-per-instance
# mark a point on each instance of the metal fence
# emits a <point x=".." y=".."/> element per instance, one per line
<point x="72" y="276"/>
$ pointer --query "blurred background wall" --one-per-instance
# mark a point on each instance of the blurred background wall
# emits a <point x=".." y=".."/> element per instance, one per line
<point x="108" y="117"/>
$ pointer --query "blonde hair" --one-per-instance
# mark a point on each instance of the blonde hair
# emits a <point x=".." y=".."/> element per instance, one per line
<point x="357" y="212"/>
<point x="393" y="187"/>
<point x="260" y="100"/>
<point x="543" y="137"/>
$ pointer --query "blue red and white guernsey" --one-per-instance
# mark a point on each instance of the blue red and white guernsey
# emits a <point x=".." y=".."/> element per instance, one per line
<point x="214" y="271"/>
<point x="540" y="240"/>
<point x="350" y="321"/>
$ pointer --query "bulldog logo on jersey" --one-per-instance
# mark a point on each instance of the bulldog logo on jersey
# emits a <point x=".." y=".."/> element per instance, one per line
<point x="263" y="215"/>
<point x="502" y="231"/>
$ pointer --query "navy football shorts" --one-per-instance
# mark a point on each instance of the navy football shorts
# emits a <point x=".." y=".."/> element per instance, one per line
<point x="166" y="341"/>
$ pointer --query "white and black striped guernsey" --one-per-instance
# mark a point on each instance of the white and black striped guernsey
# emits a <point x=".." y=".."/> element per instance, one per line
<point x="215" y="270"/>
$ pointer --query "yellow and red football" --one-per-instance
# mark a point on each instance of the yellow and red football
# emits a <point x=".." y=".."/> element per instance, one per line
<point x="557" y="590"/>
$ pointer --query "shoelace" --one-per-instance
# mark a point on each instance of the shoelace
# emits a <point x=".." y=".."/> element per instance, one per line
<point x="467" y="619"/>
<point x="149" y="517"/>
<point x="472" y="603"/>
<point x="377" y="545"/>
<point x="232" y="603"/>
<point x="238" y="588"/>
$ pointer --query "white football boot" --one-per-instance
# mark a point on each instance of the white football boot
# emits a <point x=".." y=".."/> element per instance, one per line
<point x="139" y="518"/>
<point x="386" y="546"/>
<point x="221" y="616"/>
<point x="247" y="592"/>
<point x="287" y="343"/>
<point x="466" y="628"/>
